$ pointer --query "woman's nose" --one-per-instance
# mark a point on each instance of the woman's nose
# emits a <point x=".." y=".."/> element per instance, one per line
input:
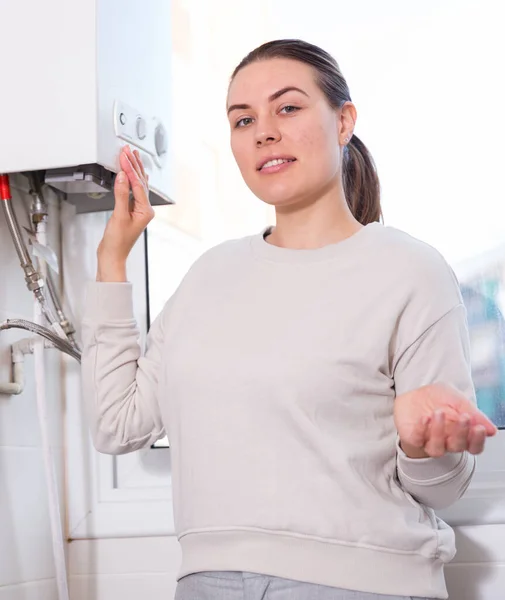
<point x="266" y="133"/>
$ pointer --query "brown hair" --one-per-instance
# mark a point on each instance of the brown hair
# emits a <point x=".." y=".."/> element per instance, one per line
<point x="360" y="180"/>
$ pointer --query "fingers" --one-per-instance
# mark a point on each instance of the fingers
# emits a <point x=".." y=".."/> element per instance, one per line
<point x="128" y="163"/>
<point x="479" y="418"/>
<point x="460" y="436"/>
<point x="121" y="194"/>
<point x="127" y="166"/>
<point x="457" y="441"/>
<point x="435" y="445"/>
<point x="135" y="173"/>
<point x="141" y="165"/>
<point x="456" y="425"/>
<point x="136" y="163"/>
<point x="420" y="433"/>
<point x="462" y="405"/>
<point x="477" y="439"/>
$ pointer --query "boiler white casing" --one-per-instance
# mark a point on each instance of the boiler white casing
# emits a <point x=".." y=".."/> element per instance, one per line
<point x="78" y="80"/>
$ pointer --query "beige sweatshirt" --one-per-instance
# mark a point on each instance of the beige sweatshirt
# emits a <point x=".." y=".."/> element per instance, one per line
<point x="274" y="373"/>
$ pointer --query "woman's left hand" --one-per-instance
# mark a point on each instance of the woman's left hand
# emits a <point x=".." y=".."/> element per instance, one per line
<point x="436" y="419"/>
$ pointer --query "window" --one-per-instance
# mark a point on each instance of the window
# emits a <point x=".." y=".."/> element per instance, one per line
<point x="483" y="297"/>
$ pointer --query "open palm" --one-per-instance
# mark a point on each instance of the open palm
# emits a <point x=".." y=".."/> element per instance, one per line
<point x="438" y="419"/>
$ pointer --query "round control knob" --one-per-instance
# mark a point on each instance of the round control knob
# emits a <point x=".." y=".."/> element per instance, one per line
<point x="141" y="128"/>
<point x="160" y="139"/>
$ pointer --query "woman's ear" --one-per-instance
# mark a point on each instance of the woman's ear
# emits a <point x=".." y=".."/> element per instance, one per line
<point x="347" y="122"/>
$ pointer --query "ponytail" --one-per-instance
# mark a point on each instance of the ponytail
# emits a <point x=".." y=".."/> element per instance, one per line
<point x="361" y="182"/>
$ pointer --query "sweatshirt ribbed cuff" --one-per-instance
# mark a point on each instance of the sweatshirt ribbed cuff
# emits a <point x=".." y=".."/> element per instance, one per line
<point x="430" y="469"/>
<point x="108" y="301"/>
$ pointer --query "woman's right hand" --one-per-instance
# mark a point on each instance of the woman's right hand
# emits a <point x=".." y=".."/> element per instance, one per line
<point x="127" y="222"/>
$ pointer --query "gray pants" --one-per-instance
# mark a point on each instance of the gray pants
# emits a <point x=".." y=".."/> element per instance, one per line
<point x="228" y="585"/>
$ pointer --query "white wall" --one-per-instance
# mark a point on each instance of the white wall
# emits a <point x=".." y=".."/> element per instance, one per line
<point x="125" y="569"/>
<point x="26" y="562"/>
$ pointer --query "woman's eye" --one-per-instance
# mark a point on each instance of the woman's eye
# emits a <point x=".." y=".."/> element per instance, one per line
<point x="243" y="122"/>
<point x="290" y="109"/>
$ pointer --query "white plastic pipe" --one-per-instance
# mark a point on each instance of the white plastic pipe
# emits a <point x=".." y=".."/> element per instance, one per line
<point x="49" y="468"/>
<point x="17" y="386"/>
<point x="19" y="350"/>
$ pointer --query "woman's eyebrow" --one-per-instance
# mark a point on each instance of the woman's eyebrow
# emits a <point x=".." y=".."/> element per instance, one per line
<point x="274" y="96"/>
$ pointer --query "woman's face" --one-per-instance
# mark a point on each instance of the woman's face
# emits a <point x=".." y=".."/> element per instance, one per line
<point x="270" y="120"/>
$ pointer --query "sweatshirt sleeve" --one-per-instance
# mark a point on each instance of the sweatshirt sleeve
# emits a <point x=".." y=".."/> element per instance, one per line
<point x="440" y="355"/>
<point x="119" y="385"/>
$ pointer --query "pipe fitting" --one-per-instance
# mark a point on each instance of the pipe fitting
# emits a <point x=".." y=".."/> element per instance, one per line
<point x="18" y="352"/>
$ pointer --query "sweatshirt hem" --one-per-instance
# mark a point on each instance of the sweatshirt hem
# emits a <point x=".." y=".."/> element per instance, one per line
<point x="334" y="564"/>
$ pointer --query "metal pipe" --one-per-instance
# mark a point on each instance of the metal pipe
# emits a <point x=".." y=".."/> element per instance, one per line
<point x="12" y="222"/>
<point x="39" y="213"/>
<point x="59" y="342"/>
<point x="34" y="280"/>
<point x="38" y="209"/>
<point x="65" y="323"/>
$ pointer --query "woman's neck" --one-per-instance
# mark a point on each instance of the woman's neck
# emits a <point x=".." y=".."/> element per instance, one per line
<point x="313" y="226"/>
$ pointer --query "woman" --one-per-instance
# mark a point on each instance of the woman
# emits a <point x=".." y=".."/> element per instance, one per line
<point x="314" y="379"/>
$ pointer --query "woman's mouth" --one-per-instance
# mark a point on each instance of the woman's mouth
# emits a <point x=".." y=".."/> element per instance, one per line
<point x="276" y="165"/>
